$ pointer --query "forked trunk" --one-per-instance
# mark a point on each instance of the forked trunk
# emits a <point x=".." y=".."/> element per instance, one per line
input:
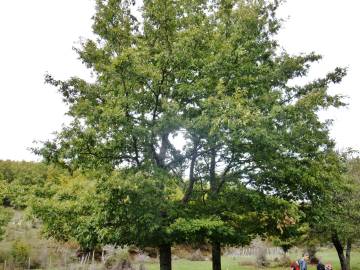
<point x="165" y="257"/>
<point x="216" y="256"/>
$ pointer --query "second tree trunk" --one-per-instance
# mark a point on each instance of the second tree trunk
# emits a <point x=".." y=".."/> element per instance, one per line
<point x="165" y="257"/>
<point x="216" y="256"/>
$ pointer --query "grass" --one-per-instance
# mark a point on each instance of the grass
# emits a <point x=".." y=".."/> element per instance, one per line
<point x="52" y="255"/>
<point x="232" y="263"/>
<point x="227" y="264"/>
<point x="331" y="257"/>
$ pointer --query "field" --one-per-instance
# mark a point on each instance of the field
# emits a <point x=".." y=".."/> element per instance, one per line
<point x="246" y="263"/>
<point x="47" y="254"/>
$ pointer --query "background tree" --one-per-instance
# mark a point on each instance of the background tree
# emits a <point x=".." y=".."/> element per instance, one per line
<point x="21" y="181"/>
<point x="336" y="218"/>
<point x="68" y="210"/>
<point x="211" y="75"/>
<point x="238" y="216"/>
<point x="291" y="236"/>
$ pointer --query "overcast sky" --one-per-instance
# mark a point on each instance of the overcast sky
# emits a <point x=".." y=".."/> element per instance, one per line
<point x="37" y="37"/>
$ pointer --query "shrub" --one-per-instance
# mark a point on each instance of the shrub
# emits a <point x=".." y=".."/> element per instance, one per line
<point x="4" y="256"/>
<point x="5" y="216"/>
<point x="20" y="253"/>
<point x="119" y="261"/>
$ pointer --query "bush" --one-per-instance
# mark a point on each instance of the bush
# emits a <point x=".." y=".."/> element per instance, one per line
<point x="4" y="256"/>
<point x="119" y="261"/>
<point x="20" y="253"/>
<point x="5" y="216"/>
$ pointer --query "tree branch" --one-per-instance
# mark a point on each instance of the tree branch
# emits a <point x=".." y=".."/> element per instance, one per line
<point x="192" y="179"/>
<point x="223" y="176"/>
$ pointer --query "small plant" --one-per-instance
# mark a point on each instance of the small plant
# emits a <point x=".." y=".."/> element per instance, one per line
<point x="20" y="253"/>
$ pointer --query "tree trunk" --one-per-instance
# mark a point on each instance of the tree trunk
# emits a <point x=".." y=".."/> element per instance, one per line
<point x="216" y="246"/>
<point x="213" y="184"/>
<point x="216" y="256"/>
<point x="348" y="252"/>
<point x="165" y="257"/>
<point x="340" y="251"/>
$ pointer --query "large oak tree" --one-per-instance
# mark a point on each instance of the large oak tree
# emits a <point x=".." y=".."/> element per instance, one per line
<point x="196" y="96"/>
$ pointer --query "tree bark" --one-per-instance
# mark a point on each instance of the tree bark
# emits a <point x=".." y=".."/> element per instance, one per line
<point x="340" y="251"/>
<point x="165" y="257"/>
<point x="213" y="185"/>
<point x="348" y="253"/>
<point x="189" y="191"/>
<point x="216" y="246"/>
<point x="216" y="256"/>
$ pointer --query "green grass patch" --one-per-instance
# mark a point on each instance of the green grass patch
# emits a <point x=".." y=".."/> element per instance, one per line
<point x="248" y="263"/>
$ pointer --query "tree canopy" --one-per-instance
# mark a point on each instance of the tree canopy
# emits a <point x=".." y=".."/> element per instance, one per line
<point x="195" y="100"/>
<point x="336" y="217"/>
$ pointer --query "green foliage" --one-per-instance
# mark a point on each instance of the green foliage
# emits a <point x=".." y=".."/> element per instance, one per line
<point x="209" y="73"/>
<point x="339" y="211"/>
<point x="5" y="216"/>
<point x="295" y="235"/>
<point x="120" y="258"/>
<point x="336" y="217"/>
<point x="344" y="214"/>
<point x="22" y="181"/>
<point x="20" y="253"/>
<point x="137" y="208"/>
<point x="68" y="212"/>
<point x="236" y="217"/>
